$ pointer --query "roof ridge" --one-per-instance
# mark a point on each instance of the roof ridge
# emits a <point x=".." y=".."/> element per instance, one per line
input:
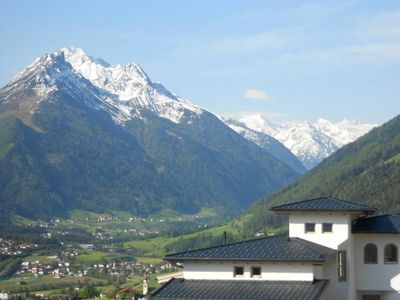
<point x="234" y="243"/>
<point x="350" y="202"/>
<point x="353" y="205"/>
<point x="301" y="201"/>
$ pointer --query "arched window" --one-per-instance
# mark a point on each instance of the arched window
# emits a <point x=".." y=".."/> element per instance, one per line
<point x="370" y="254"/>
<point x="390" y="254"/>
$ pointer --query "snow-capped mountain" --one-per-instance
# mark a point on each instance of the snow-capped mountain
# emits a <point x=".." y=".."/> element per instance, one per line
<point x="125" y="90"/>
<point x="80" y="133"/>
<point x="267" y="142"/>
<point x="310" y="142"/>
<point x="343" y="132"/>
<point x="135" y="91"/>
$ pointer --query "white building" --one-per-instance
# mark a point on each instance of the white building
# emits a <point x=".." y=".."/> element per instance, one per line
<point x="4" y="296"/>
<point x="335" y="250"/>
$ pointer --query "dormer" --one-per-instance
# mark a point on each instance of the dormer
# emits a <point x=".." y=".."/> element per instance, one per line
<point x="326" y="221"/>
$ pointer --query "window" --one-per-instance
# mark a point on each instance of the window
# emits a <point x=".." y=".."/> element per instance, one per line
<point x="309" y="227"/>
<point x="371" y="297"/>
<point x="390" y="254"/>
<point x="370" y="254"/>
<point x="327" y="227"/>
<point x="342" y="265"/>
<point x="238" y="271"/>
<point x="255" y="272"/>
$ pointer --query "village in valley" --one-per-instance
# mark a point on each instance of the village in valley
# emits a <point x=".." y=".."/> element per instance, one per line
<point x="113" y="253"/>
<point x="200" y="150"/>
<point x="75" y="267"/>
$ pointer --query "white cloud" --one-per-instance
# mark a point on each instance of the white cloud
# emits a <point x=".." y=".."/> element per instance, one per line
<point x="256" y="95"/>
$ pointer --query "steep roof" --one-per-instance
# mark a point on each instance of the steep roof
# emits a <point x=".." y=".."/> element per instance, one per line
<point x="323" y="204"/>
<point x="377" y="224"/>
<point x="240" y="289"/>
<point x="275" y="248"/>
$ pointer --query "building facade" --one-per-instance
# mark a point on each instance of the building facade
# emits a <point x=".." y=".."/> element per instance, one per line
<point x="334" y="249"/>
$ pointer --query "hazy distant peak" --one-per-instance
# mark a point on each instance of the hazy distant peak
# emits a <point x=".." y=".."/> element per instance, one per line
<point x="309" y="141"/>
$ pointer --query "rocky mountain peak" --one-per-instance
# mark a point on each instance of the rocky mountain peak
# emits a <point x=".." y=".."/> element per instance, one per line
<point x="311" y="142"/>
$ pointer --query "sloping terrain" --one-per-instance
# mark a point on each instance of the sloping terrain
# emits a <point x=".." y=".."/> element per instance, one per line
<point x="76" y="133"/>
<point x="366" y="171"/>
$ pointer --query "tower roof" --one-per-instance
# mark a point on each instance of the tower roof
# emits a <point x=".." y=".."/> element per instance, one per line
<point x="377" y="224"/>
<point x="323" y="204"/>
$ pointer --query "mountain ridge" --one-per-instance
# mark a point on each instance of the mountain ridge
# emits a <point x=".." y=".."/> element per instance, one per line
<point x="148" y="151"/>
<point x="366" y="171"/>
<point x="309" y="142"/>
<point x="267" y="142"/>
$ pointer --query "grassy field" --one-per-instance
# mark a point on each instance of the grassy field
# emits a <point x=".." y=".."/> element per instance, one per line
<point x="155" y="247"/>
<point x="47" y="282"/>
<point x="148" y="260"/>
<point x="97" y="257"/>
<point x="41" y="258"/>
<point x="117" y="222"/>
<point x="21" y="221"/>
<point x="146" y="251"/>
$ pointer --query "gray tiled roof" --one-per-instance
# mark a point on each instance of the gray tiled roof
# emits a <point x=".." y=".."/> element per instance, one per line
<point x="377" y="224"/>
<point x="240" y="289"/>
<point x="275" y="248"/>
<point x="323" y="204"/>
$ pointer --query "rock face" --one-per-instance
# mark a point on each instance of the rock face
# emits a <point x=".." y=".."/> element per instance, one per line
<point x="76" y="132"/>
<point x="310" y="142"/>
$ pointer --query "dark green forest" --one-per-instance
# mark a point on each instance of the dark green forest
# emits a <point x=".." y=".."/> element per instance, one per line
<point x="366" y="171"/>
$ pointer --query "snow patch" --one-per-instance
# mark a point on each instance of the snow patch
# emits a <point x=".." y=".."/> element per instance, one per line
<point x="134" y="90"/>
<point x="310" y="142"/>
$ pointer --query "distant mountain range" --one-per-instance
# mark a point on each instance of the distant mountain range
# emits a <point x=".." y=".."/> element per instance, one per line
<point x="309" y="142"/>
<point x="76" y="132"/>
<point x="365" y="171"/>
<point x="268" y="143"/>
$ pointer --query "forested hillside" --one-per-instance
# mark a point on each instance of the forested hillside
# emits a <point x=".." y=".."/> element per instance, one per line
<point x="366" y="171"/>
<point x="69" y="143"/>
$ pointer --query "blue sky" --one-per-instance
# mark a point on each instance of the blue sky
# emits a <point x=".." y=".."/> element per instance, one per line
<point x="291" y="60"/>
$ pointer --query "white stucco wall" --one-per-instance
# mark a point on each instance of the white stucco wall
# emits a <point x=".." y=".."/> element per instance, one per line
<point x="383" y="295"/>
<point x="340" y="229"/>
<point x="339" y="239"/>
<point x="391" y="296"/>
<point x="270" y="271"/>
<point x="380" y="276"/>
<point x="335" y="290"/>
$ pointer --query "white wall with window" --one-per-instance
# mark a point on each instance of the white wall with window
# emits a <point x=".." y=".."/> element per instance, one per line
<point x="250" y="271"/>
<point x="377" y="263"/>
<point x="328" y="229"/>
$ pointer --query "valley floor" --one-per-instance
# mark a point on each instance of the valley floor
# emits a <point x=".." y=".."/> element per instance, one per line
<point x="101" y="253"/>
